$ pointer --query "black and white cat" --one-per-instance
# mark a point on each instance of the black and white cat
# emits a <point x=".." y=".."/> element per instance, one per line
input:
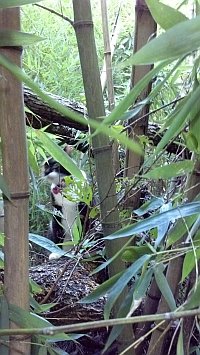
<point x="66" y="212"/>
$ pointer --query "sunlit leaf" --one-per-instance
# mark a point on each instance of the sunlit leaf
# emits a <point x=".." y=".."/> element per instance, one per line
<point x="176" y="42"/>
<point x="164" y="15"/>
<point x="168" y="171"/>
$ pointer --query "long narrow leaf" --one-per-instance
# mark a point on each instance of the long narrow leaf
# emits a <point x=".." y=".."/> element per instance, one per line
<point x="189" y="110"/>
<point x="176" y="42"/>
<point x="59" y="155"/>
<point x="164" y="287"/>
<point x="154" y="221"/>
<point x="122" y="282"/>
<point x="15" y="38"/>
<point x="168" y="171"/>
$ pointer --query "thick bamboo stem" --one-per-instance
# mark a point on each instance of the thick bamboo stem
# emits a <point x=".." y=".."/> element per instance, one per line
<point x="15" y="170"/>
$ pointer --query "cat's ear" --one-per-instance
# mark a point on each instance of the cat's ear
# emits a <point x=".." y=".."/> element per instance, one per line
<point x="69" y="149"/>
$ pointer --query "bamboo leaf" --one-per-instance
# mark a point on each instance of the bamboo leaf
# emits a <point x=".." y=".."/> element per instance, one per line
<point x="193" y="298"/>
<point x="180" y="346"/>
<point x="150" y="205"/>
<point x="132" y="253"/>
<point x="4" y="187"/>
<point x="59" y="155"/>
<point x="181" y="227"/>
<point x="164" y="287"/>
<point x="164" y="15"/>
<point x="46" y="243"/>
<point x="176" y="42"/>
<point x="13" y="3"/>
<point x="101" y="290"/>
<point x="10" y="38"/>
<point x="191" y="258"/>
<point x="154" y="221"/>
<point x="168" y="171"/>
<point x="189" y="110"/>
<point x="122" y="282"/>
<point x="130" y="99"/>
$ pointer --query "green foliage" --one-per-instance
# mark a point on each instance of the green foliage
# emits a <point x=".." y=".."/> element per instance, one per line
<point x="164" y="15"/>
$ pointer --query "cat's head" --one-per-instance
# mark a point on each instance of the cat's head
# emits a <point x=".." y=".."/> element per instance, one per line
<point x="54" y="172"/>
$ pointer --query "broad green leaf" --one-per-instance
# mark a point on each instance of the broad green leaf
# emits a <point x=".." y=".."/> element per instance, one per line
<point x="4" y="187"/>
<point x="150" y="205"/>
<point x="174" y="43"/>
<point x="10" y="38"/>
<point x="153" y="221"/>
<point x="59" y="155"/>
<point x="13" y="3"/>
<point x="189" y="110"/>
<point x="164" y="287"/>
<point x="101" y="290"/>
<point x="191" y="258"/>
<point x="193" y="298"/>
<point x="180" y="344"/>
<point x="168" y="171"/>
<point x="164" y="15"/>
<point x="121" y="283"/>
<point x="21" y="76"/>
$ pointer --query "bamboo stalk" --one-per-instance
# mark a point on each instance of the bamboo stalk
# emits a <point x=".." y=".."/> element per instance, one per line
<point x="145" y="27"/>
<point x="102" y="148"/>
<point x="15" y="170"/>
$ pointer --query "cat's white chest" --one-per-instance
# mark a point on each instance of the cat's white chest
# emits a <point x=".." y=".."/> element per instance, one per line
<point x="69" y="212"/>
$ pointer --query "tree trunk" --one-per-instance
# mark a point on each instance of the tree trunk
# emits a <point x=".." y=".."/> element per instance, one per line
<point x="15" y="170"/>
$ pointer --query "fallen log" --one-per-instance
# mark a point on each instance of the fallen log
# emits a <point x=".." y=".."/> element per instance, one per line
<point x="43" y="116"/>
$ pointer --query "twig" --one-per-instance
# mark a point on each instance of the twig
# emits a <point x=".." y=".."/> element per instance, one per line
<point x="56" y="13"/>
